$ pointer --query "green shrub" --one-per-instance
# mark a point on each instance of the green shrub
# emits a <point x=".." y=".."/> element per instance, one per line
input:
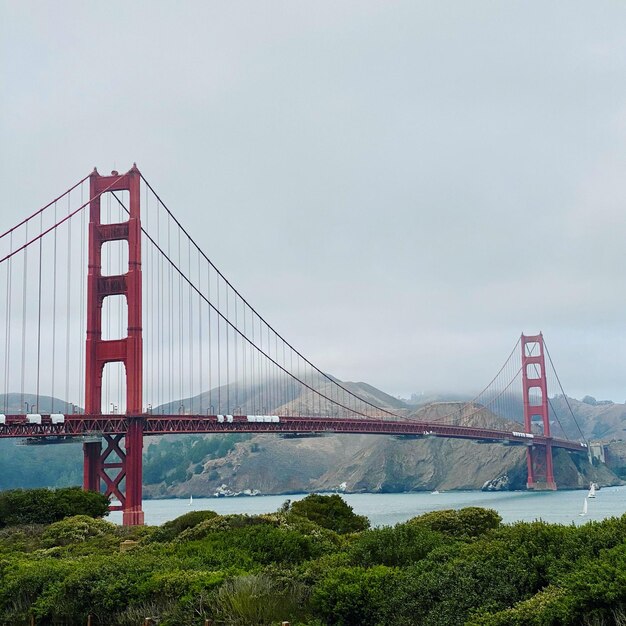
<point x="175" y="527"/>
<point x="354" y="596"/>
<point x="402" y="545"/>
<point x="75" y="529"/>
<point x="259" y="600"/>
<point x="330" y="512"/>
<point x="463" y="523"/>
<point x="250" y="546"/>
<point x="218" y="523"/>
<point x="44" y="506"/>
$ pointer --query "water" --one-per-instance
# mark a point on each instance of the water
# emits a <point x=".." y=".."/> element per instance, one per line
<point x="559" y="507"/>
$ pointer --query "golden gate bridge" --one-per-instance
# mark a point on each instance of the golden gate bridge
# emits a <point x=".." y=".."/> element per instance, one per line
<point x="110" y="303"/>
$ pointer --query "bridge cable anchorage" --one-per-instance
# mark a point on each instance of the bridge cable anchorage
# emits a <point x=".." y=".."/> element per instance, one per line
<point x="261" y="318"/>
<point x="262" y="349"/>
<point x="567" y="402"/>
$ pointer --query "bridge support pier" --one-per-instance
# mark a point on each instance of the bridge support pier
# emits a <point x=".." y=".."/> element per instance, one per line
<point x="120" y="469"/>
<point x="540" y="468"/>
<point x="92" y="451"/>
<point x="535" y="389"/>
<point x="132" y="511"/>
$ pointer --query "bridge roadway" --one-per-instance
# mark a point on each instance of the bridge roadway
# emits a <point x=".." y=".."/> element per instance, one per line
<point x="79" y="425"/>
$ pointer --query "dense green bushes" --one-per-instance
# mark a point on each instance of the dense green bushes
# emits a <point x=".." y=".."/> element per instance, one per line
<point x="330" y="512"/>
<point x="170" y="530"/>
<point x="463" y="524"/>
<point x="308" y="565"/>
<point x="44" y="506"/>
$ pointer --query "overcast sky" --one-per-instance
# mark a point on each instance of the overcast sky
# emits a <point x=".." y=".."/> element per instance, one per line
<point x="400" y="188"/>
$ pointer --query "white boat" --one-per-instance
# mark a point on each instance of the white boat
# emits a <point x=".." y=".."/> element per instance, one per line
<point x="584" y="511"/>
<point x="592" y="491"/>
<point x="190" y="500"/>
<point x="434" y="493"/>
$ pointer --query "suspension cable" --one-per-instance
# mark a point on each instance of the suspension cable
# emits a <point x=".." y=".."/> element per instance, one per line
<point x="239" y="332"/>
<point x="475" y="399"/>
<point x="326" y="376"/>
<point x="563" y="392"/>
<point x="36" y="213"/>
<point x="54" y="226"/>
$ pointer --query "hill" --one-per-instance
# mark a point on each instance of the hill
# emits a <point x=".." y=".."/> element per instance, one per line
<point x="367" y="463"/>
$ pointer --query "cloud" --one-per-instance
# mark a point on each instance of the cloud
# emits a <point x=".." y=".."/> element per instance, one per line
<point x="401" y="188"/>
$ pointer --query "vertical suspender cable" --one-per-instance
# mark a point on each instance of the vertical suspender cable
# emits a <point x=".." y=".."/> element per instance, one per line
<point x="228" y="407"/>
<point x="149" y="314"/>
<point x="170" y="315"/>
<point x="24" y="281"/>
<point x="54" y="309"/>
<point x="191" y="332"/>
<point x="39" y="316"/>
<point x="236" y="377"/>
<point x="200" y="339"/>
<point x="244" y="359"/>
<point x="253" y="378"/>
<point x="180" y="328"/>
<point x="7" y="354"/>
<point x="210" y="353"/>
<point x="148" y="279"/>
<point x="67" y="307"/>
<point x="219" y="357"/>
<point x="83" y="303"/>
<point x="159" y="308"/>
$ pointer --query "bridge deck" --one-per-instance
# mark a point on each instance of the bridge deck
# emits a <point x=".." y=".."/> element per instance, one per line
<point x="96" y="425"/>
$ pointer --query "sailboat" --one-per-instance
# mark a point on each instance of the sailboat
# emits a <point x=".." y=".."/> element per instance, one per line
<point x="190" y="500"/>
<point x="584" y="511"/>
<point x="592" y="491"/>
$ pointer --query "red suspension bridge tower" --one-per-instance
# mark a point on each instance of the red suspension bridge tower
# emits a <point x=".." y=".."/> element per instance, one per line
<point x="120" y="470"/>
<point x="535" y="390"/>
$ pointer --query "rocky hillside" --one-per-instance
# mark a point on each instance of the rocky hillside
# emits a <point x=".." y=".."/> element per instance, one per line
<point x="367" y="463"/>
<point x="599" y="420"/>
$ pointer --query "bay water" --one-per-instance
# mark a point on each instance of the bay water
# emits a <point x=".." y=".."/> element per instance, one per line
<point x="387" y="509"/>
